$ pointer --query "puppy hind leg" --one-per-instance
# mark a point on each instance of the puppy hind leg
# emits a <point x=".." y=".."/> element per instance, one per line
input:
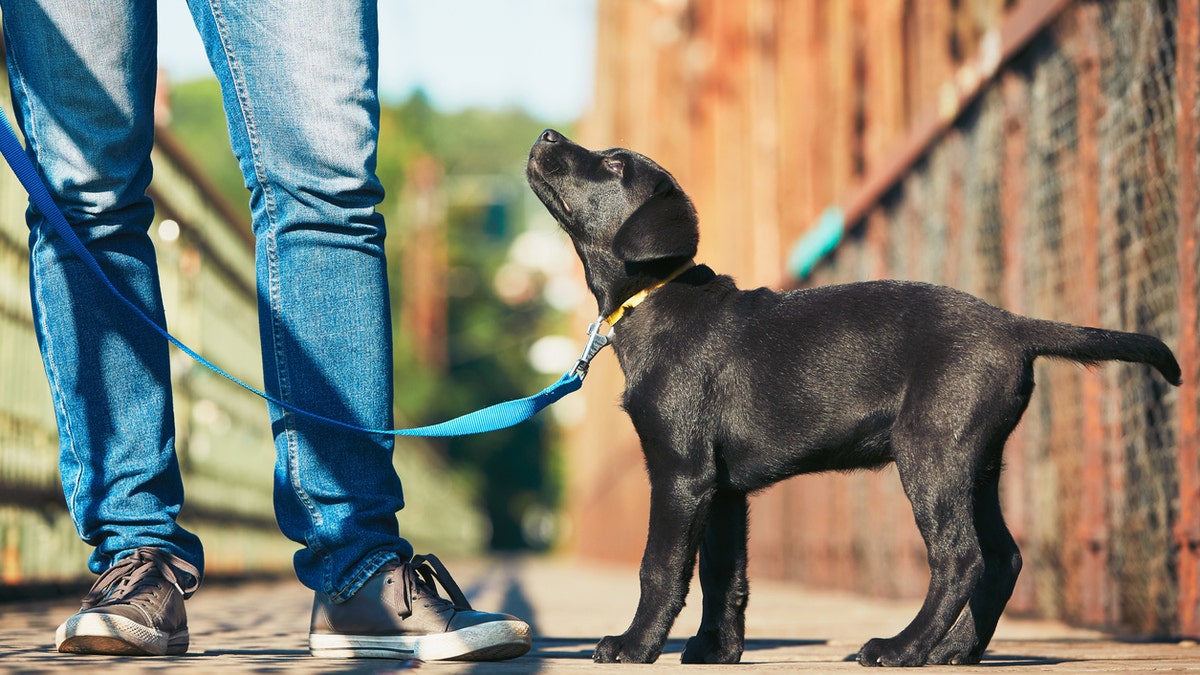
<point x="967" y="640"/>
<point x="940" y="493"/>
<point x="722" y="633"/>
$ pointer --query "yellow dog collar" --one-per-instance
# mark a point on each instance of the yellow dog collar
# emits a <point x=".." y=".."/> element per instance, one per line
<point x="640" y="296"/>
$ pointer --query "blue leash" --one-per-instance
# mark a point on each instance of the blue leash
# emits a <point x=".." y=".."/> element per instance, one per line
<point x="499" y="416"/>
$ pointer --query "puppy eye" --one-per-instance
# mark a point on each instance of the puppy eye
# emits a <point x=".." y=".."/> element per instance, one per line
<point x="614" y="165"/>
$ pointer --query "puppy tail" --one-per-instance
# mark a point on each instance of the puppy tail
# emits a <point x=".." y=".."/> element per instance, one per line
<point x="1090" y="346"/>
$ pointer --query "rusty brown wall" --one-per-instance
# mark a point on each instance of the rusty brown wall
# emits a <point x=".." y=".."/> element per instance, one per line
<point x="1064" y="187"/>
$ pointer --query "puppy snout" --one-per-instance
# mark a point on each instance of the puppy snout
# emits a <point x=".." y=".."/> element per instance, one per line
<point x="543" y="155"/>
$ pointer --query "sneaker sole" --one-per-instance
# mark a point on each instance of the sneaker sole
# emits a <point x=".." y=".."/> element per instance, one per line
<point x="96" y="633"/>
<point x="491" y="641"/>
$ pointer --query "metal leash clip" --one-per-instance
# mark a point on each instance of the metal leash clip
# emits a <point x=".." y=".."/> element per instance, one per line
<point x="594" y="344"/>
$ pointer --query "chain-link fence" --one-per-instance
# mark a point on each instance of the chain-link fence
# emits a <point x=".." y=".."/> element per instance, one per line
<point x="1055" y="195"/>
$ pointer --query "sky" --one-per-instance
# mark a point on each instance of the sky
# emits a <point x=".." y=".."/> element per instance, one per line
<point x="535" y="54"/>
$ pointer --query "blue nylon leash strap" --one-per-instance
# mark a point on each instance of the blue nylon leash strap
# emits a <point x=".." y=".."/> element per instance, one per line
<point x="492" y="418"/>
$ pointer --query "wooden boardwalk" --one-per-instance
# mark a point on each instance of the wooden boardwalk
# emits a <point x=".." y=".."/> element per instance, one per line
<point x="262" y="626"/>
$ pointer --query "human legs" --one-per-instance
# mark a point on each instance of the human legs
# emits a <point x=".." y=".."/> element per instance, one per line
<point x="82" y="76"/>
<point x="325" y="327"/>
<point x="299" y="89"/>
<point x="300" y="93"/>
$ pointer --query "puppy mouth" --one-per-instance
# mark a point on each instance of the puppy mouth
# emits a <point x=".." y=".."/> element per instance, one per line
<point x="560" y="201"/>
<point x="544" y="189"/>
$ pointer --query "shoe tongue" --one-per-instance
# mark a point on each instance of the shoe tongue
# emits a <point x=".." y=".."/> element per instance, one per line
<point x="416" y="589"/>
<point x="431" y="595"/>
<point x="134" y="570"/>
<point x="432" y="570"/>
<point x="420" y="584"/>
<point x="119" y="581"/>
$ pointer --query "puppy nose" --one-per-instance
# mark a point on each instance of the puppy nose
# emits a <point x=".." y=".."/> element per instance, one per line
<point x="551" y="136"/>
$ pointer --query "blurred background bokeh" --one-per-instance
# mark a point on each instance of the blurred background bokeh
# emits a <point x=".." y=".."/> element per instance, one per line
<point x="1041" y="154"/>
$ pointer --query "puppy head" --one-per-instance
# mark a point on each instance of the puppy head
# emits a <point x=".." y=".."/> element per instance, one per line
<point x="628" y="218"/>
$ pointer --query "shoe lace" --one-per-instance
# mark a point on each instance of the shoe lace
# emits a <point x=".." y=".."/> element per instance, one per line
<point x="143" y="567"/>
<point x="421" y="577"/>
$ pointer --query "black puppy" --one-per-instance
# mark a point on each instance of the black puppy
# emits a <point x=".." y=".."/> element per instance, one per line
<point x="731" y="391"/>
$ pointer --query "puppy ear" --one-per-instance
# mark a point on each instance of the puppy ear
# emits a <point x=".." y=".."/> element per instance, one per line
<point x="665" y="226"/>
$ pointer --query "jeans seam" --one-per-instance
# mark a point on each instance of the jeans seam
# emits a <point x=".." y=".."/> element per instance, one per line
<point x="59" y="397"/>
<point x="239" y="87"/>
<point x="30" y="125"/>
<point x="289" y="427"/>
<point x="53" y="377"/>
<point x="289" y="430"/>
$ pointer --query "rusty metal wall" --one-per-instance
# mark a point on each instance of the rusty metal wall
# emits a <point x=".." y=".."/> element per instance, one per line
<point x="1058" y="179"/>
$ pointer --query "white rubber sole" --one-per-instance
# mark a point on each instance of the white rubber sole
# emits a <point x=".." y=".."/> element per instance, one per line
<point x="95" y="633"/>
<point x="491" y="641"/>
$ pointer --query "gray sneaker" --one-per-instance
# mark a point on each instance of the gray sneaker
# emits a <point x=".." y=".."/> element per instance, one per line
<point x="135" y="608"/>
<point x="398" y="614"/>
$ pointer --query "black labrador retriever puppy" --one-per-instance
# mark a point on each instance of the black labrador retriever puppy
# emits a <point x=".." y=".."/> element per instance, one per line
<point x="731" y="391"/>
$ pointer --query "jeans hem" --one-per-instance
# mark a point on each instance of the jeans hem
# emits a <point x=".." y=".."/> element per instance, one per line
<point x="367" y="569"/>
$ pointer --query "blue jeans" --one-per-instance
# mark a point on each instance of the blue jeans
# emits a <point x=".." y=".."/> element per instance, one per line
<point x="300" y="95"/>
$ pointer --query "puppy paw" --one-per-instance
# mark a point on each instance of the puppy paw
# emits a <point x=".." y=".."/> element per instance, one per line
<point x="619" y="649"/>
<point x="951" y="653"/>
<point x="608" y="649"/>
<point x="707" y="647"/>
<point x="881" y="652"/>
<point x="961" y="646"/>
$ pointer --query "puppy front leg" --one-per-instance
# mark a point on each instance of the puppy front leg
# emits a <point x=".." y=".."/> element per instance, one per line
<point x="722" y="633"/>
<point x="677" y="514"/>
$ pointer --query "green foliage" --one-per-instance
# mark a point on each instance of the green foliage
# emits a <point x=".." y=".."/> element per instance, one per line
<point x="482" y="154"/>
<point x="198" y="119"/>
